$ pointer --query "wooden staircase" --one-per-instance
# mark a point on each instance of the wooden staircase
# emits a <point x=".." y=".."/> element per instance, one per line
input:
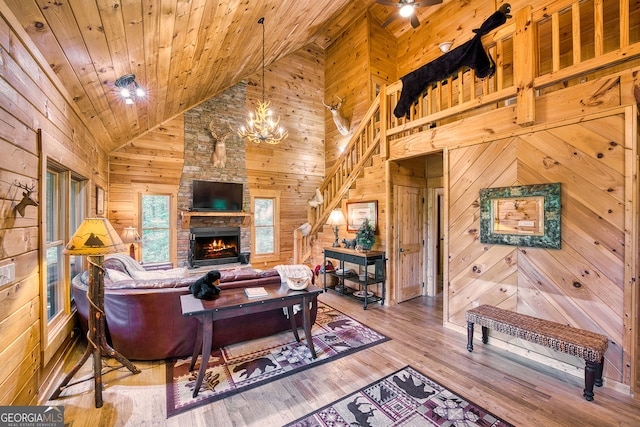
<point x="359" y="152"/>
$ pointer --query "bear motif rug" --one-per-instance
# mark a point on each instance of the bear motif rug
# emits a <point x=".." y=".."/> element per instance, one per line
<point x="239" y="367"/>
<point x="405" y="398"/>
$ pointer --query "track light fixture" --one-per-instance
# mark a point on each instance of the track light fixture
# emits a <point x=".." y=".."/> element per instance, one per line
<point x="129" y="87"/>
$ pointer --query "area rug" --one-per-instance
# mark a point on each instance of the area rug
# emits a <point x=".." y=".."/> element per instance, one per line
<point x="404" y="398"/>
<point x="240" y="367"/>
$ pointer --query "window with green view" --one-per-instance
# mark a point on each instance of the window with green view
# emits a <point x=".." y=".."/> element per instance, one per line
<point x="264" y="218"/>
<point x="156" y="228"/>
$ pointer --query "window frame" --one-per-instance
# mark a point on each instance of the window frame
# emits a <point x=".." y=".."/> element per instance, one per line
<point x="55" y="330"/>
<point x="275" y="256"/>
<point x="173" y="246"/>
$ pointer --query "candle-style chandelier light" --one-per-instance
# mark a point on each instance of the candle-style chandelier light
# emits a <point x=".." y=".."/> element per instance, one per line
<point x="261" y="127"/>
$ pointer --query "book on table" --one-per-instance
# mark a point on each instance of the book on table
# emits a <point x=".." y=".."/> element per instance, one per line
<point x="255" y="292"/>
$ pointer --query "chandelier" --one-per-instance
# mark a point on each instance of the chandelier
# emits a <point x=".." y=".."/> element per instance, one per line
<point x="261" y="127"/>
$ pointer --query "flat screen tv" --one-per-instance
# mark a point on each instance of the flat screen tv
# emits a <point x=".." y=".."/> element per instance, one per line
<point x="210" y="196"/>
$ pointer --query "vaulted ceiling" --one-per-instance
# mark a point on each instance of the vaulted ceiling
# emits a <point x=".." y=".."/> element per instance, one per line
<point x="182" y="51"/>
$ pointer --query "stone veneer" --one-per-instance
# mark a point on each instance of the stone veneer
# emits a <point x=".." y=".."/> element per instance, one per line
<point x="227" y="110"/>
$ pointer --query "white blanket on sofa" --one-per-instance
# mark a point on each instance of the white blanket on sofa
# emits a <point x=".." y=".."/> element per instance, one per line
<point x="300" y="271"/>
<point x="297" y="270"/>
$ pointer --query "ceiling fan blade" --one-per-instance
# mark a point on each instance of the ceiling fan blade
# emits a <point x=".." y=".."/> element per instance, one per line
<point x="427" y="3"/>
<point x="388" y="3"/>
<point x="389" y="20"/>
<point x="415" y="22"/>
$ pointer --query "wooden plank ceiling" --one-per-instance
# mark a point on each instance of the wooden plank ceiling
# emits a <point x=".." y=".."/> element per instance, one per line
<point x="181" y="51"/>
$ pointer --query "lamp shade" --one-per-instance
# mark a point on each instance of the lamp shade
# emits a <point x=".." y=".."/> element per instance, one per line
<point x="130" y="235"/>
<point x="336" y="218"/>
<point x="95" y="236"/>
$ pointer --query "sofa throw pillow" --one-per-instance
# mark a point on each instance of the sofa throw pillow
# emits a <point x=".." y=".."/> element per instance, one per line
<point x="174" y="273"/>
<point x="116" y="276"/>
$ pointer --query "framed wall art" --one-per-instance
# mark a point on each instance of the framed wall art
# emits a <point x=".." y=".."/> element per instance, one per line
<point x="358" y="211"/>
<point x="526" y="215"/>
<point x="99" y="200"/>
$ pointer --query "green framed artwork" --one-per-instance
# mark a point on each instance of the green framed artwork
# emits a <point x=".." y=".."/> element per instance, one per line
<point x="525" y="215"/>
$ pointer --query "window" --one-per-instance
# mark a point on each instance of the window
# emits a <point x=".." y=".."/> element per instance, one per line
<point x="156" y="228"/>
<point x="65" y="210"/>
<point x="265" y="234"/>
<point x="76" y="216"/>
<point x="55" y="242"/>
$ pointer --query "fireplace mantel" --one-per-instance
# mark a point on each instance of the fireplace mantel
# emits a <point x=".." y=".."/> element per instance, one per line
<point x="185" y="216"/>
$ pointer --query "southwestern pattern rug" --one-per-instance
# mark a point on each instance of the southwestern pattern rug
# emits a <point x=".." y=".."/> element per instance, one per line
<point x="404" y="398"/>
<point x="240" y="367"/>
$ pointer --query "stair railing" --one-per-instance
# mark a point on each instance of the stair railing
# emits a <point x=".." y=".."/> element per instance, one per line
<point x="358" y="153"/>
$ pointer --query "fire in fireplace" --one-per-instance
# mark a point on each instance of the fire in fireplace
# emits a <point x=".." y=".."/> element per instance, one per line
<point x="214" y="245"/>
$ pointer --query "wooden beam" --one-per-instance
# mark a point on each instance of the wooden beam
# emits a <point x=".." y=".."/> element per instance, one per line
<point x="383" y="99"/>
<point x="525" y="60"/>
<point x="555" y="41"/>
<point x="598" y="23"/>
<point x="575" y="33"/>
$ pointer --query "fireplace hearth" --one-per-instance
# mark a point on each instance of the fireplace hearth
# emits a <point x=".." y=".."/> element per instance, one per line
<point x="214" y="246"/>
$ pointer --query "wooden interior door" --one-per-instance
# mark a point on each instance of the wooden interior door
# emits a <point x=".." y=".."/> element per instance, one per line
<point x="409" y="211"/>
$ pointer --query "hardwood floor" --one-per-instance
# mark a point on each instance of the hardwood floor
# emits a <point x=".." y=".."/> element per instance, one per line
<point x="522" y="392"/>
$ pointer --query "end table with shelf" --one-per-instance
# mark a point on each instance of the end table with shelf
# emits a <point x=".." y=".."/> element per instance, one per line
<point x="375" y="259"/>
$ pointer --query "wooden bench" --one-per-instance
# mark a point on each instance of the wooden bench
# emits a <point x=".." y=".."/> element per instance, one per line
<point x="577" y="342"/>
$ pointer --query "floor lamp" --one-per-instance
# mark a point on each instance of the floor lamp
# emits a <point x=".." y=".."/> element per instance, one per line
<point x="336" y="219"/>
<point x="95" y="238"/>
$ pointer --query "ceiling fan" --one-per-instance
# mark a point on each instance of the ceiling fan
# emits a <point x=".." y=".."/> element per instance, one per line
<point x="406" y="9"/>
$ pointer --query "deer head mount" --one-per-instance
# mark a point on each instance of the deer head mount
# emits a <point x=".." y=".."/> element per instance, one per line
<point x="27" y="200"/>
<point x="342" y="123"/>
<point x="219" y="153"/>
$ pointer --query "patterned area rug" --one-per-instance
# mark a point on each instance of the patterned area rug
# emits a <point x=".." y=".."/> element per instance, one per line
<point x="242" y="366"/>
<point x="404" y="398"/>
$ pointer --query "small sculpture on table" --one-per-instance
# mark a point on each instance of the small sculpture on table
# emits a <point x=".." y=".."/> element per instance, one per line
<point x="349" y="243"/>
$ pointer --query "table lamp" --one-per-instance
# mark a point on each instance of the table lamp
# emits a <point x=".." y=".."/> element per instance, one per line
<point x="336" y="219"/>
<point x="131" y="236"/>
<point x="95" y="238"/>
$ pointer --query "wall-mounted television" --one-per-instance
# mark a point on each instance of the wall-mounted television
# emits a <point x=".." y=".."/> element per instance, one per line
<point x="210" y="196"/>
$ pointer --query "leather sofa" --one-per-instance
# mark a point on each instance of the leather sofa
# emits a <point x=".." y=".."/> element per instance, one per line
<point x="144" y="318"/>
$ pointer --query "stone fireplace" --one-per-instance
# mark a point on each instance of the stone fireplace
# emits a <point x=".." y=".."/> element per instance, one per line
<point x="220" y="114"/>
<point x="214" y="246"/>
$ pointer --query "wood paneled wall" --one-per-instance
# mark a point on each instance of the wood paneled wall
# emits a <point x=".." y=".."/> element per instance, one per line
<point x="420" y="47"/>
<point x="590" y="150"/>
<point x="582" y="284"/>
<point x="363" y="56"/>
<point x="32" y="98"/>
<point x="150" y="163"/>
<point x="368" y="54"/>
<point x="347" y="75"/>
<point x="383" y="52"/>
<point x="295" y="167"/>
